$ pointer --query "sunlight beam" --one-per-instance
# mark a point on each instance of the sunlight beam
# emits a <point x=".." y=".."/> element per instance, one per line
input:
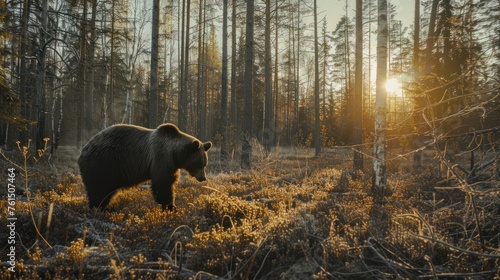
<point x="393" y="87"/>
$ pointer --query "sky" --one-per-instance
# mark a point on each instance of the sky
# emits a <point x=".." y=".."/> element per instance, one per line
<point x="335" y="9"/>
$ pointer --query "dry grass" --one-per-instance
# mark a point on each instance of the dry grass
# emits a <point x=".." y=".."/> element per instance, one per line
<point x="293" y="216"/>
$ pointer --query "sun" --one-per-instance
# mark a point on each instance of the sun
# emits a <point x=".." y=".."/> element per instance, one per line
<point x="392" y="85"/>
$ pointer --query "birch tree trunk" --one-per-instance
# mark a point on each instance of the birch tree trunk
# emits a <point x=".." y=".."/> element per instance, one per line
<point x="379" y="164"/>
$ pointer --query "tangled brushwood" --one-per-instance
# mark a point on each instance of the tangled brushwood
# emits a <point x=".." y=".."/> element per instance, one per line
<point x="293" y="216"/>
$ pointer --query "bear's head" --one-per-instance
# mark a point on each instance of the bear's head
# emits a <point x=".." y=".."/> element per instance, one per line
<point x="196" y="159"/>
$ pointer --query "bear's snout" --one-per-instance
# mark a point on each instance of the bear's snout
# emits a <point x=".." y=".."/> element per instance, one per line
<point x="201" y="178"/>
<point x="199" y="175"/>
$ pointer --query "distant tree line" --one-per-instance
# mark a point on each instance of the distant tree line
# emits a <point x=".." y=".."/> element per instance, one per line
<point x="72" y="68"/>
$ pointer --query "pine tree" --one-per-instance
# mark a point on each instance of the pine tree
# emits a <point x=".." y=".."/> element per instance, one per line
<point x="248" y="118"/>
<point x="317" y="136"/>
<point x="358" y="92"/>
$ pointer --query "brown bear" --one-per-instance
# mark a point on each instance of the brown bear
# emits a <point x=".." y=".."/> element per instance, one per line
<point x="123" y="155"/>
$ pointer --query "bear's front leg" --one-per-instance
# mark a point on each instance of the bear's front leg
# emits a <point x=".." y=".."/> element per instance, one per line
<point x="164" y="195"/>
<point x="163" y="189"/>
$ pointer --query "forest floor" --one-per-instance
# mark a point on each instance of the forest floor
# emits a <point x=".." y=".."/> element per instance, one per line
<point x="292" y="216"/>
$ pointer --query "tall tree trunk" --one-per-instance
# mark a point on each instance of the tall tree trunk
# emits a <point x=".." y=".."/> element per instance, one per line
<point x="317" y="132"/>
<point x="90" y="69"/>
<point x="416" y="39"/>
<point x="180" y="110"/>
<point x="420" y="101"/>
<point x="447" y="13"/>
<point x="104" y="99"/>
<point x="358" y="92"/>
<point x="323" y="71"/>
<point x="185" y="77"/>
<point x="290" y="74"/>
<point x="223" y="109"/>
<point x="131" y="57"/>
<point x="276" y="55"/>
<point x="349" y="116"/>
<point x="23" y="75"/>
<point x="369" y="93"/>
<point x="297" y="76"/>
<point x="268" y="134"/>
<point x="204" y="75"/>
<point x="379" y="162"/>
<point x="40" y="100"/>
<point x="234" y="110"/>
<point x="154" y="65"/>
<point x="430" y="34"/>
<point x="55" y="133"/>
<point x="199" y="78"/>
<point x="246" y="150"/>
<point x="82" y="79"/>
<point x="111" y="112"/>
<point x="417" y="157"/>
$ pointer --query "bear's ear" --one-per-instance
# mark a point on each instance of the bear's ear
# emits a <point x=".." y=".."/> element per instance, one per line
<point x="207" y="145"/>
<point x="193" y="146"/>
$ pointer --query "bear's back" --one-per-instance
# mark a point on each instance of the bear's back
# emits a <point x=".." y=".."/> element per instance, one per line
<point x="119" y="152"/>
<point x="116" y="138"/>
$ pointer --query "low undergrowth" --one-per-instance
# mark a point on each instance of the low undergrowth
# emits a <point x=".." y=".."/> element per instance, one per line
<point x="290" y="217"/>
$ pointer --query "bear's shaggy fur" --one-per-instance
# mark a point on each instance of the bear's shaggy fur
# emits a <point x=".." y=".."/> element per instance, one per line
<point x="122" y="155"/>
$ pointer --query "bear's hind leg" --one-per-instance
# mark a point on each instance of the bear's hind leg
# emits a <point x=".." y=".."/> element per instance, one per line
<point x="99" y="200"/>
